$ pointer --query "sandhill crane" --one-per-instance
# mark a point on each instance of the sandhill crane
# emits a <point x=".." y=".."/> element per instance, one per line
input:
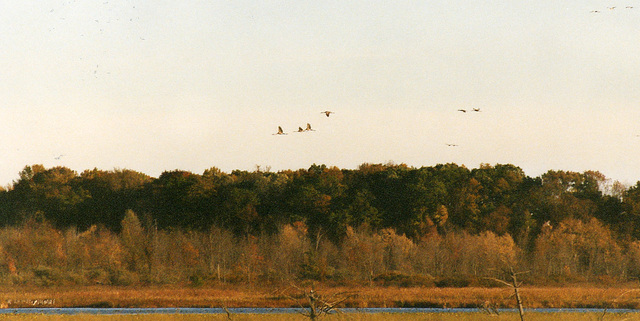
<point x="452" y="145"/>
<point x="476" y="110"/>
<point x="280" y="131"/>
<point x="308" y="129"/>
<point x="611" y="8"/>
<point x="462" y="110"/>
<point x="300" y="130"/>
<point x="595" y="11"/>
<point x="326" y="112"/>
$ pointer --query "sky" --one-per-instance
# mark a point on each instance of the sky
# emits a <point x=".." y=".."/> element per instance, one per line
<point x="161" y="85"/>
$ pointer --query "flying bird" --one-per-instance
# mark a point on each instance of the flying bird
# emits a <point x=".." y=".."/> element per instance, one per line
<point x="462" y="110"/>
<point x="326" y="112"/>
<point x="452" y="145"/>
<point x="300" y="130"/>
<point x="595" y="11"/>
<point x="280" y="131"/>
<point x="476" y="110"/>
<point x="308" y="129"/>
<point x="58" y="157"/>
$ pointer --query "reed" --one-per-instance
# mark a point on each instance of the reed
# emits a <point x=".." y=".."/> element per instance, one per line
<point x="267" y="297"/>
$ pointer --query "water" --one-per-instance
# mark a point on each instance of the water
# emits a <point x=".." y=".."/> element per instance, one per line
<point x="111" y="311"/>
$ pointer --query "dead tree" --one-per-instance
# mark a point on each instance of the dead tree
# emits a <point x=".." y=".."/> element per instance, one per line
<point x="515" y="285"/>
<point x="224" y="307"/>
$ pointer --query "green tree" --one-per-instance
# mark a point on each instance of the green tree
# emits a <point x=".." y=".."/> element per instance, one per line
<point x="171" y="200"/>
<point x="109" y="195"/>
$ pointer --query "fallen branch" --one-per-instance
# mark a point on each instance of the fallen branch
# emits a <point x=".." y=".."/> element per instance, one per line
<point x="316" y="304"/>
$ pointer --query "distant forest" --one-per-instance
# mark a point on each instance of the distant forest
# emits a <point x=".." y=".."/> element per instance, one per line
<point x="413" y="201"/>
<point x="436" y="222"/>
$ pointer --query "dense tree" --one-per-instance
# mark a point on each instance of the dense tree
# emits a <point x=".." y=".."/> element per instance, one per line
<point x="109" y="194"/>
<point x="574" y="248"/>
<point x="415" y="202"/>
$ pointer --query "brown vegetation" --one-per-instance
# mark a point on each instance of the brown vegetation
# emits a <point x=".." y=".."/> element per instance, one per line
<point x="464" y="316"/>
<point x="365" y="296"/>
<point x="574" y="251"/>
<point x="148" y="267"/>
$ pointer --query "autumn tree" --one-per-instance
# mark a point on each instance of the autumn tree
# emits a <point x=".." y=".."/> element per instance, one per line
<point x="574" y="248"/>
<point x="289" y="250"/>
<point x="54" y="192"/>
<point x="135" y="244"/>
<point x="363" y="253"/>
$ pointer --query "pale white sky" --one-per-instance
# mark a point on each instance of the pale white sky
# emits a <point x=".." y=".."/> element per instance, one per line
<point x="162" y="85"/>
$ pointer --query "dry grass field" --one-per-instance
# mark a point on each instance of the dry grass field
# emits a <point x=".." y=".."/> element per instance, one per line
<point x="337" y="317"/>
<point x="242" y="296"/>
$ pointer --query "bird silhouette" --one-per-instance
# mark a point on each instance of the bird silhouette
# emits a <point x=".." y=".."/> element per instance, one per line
<point x="326" y="112"/>
<point x="462" y="110"/>
<point x="58" y="157"/>
<point x="308" y="129"/>
<point x="452" y="145"/>
<point x="280" y="131"/>
<point x="300" y="130"/>
<point x="476" y="110"/>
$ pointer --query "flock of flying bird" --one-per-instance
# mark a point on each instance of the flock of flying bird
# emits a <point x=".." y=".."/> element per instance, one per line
<point x="328" y="113"/>
<point x="300" y="130"/>
<point x="109" y="13"/>
<point x="477" y="110"/>
<point x="611" y="8"/>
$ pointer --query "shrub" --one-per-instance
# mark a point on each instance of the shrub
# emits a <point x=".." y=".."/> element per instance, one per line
<point x="397" y="278"/>
<point x="47" y="276"/>
<point x="453" y="282"/>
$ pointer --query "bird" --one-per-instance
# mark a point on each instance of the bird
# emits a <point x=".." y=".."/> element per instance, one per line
<point x="326" y="112"/>
<point x="308" y="129"/>
<point x="452" y="145"/>
<point x="280" y="131"/>
<point x="462" y="110"/>
<point x="595" y="11"/>
<point x="300" y="130"/>
<point x="611" y="8"/>
<point x="476" y="110"/>
<point x="629" y="7"/>
<point x="58" y="157"/>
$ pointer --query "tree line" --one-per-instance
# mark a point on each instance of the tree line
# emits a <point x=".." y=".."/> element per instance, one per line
<point x="415" y="202"/>
<point x="567" y="220"/>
